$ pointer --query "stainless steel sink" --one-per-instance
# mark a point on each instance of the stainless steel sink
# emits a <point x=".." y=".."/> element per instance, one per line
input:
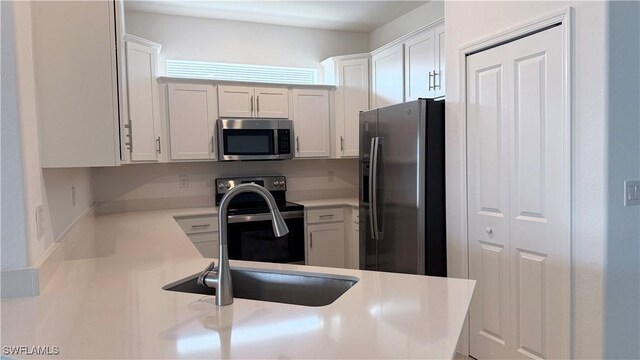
<point x="308" y="289"/>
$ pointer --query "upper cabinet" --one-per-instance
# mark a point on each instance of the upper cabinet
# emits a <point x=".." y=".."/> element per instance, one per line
<point x="192" y="121"/>
<point x="387" y="76"/>
<point x="410" y="68"/>
<point x="249" y="102"/>
<point x="143" y="141"/>
<point x="311" y="123"/>
<point x="350" y="74"/>
<point x="76" y="83"/>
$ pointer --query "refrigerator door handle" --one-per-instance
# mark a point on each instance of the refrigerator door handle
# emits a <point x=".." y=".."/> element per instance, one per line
<point x="371" y="189"/>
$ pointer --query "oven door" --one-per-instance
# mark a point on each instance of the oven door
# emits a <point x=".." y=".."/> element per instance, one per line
<point x="251" y="238"/>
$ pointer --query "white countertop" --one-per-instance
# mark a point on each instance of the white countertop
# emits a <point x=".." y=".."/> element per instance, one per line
<point x="105" y="301"/>
<point x="329" y="202"/>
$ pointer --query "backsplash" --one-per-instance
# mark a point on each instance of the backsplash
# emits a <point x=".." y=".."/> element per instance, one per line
<point x="158" y="186"/>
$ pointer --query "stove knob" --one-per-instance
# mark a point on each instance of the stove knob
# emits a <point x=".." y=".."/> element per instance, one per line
<point x="275" y="183"/>
<point x="220" y="186"/>
<point x="227" y="185"/>
<point x="281" y="182"/>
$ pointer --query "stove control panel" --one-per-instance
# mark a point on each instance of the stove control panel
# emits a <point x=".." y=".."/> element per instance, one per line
<point x="271" y="183"/>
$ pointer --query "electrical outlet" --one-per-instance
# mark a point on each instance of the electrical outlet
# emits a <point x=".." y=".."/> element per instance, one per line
<point x="632" y="193"/>
<point x="332" y="176"/>
<point x="183" y="181"/>
<point x="40" y="216"/>
<point x="73" y="196"/>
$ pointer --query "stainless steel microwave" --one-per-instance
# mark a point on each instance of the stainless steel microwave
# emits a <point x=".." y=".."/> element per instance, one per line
<point x="255" y="139"/>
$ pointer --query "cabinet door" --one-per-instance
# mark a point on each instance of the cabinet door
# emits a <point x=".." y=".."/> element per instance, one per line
<point x="326" y="245"/>
<point x="355" y="248"/>
<point x="75" y="67"/>
<point x="311" y="122"/>
<point x="352" y="96"/>
<point x="192" y="114"/>
<point x="272" y="103"/>
<point x="142" y="96"/>
<point x="388" y="76"/>
<point x="440" y="62"/>
<point x="236" y="101"/>
<point x="419" y="60"/>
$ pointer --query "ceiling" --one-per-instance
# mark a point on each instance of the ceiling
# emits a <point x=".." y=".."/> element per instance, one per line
<point x="333" y="15"/>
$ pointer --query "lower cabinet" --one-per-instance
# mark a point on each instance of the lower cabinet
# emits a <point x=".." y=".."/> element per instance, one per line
<point x="206" y="243"/>
<point x="326" y="244"/>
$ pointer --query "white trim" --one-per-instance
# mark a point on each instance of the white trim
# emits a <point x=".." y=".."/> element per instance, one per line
<point x="141" y="41"/>
<point x="181" y="80"/>
<point x="347" y="57"/>
<point x="405" y="37"/>
<point x="564" y="18"/>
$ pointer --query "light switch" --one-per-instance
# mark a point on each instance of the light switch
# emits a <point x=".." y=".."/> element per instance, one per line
<point x="632" y="193"/>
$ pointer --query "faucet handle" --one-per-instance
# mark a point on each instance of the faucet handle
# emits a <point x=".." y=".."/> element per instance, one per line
<point x="206" y="271"/>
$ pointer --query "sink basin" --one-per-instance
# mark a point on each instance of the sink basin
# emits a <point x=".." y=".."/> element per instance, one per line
<point x="289" y="287"/>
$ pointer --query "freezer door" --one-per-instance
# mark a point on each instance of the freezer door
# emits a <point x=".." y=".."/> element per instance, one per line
<point x="368" y="249"/>
<point x="400" y="177"/>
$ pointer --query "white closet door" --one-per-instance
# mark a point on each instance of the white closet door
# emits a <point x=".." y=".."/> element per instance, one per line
<point x="539" y="199"/>
<point x="488" y="202"/>
<point x="518" y="150"/>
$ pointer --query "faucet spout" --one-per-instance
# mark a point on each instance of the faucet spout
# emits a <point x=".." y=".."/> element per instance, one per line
<point x="221" y="279"/>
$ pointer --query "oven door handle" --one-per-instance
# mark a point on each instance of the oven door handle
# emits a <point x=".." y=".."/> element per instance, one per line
<point x="264" y="216"/>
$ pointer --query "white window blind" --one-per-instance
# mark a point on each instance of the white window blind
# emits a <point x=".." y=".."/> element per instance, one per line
<point x="241" y="72"/>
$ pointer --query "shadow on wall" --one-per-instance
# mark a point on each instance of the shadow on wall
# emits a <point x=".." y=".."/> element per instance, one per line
<point x="158" y="186"/>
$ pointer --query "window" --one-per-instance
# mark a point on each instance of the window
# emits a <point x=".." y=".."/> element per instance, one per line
<point x="241" y="72"/>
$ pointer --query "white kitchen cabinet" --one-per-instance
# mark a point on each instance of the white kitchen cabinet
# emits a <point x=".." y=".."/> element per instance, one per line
<point x="311" y="123"/>
<point x="387" y="76"/>
<point x="326" y="244"/>
<point x="439" y="82"/>
<point x="420" y="59"/>
<point x="248" y="102"/>
<point x="325" y="237"/>
<point x="207" y="244"/>
<point x="143" y="119"/>
<point x="352" y="246"/>
<point x="192" y="118"/>
<point x="76" y="71"/>
<point x="350" y="74"/>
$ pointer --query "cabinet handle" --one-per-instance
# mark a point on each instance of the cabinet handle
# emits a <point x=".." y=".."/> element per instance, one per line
<point x="297" y="144"/>
<point x="258" y="103"/>
<point x="200" y="226"/>
<point x="251" y="103"/>
<point x="326" y="216"/>
<point x="436" y="85"/>
<point x="341" y="143"/>
<point x="158" y="146"/>
<point x="430" y="76"/>
<point x="311" y="240"/>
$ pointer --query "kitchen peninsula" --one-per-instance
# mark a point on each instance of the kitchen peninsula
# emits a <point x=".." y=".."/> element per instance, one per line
<point x="103" y="298"/>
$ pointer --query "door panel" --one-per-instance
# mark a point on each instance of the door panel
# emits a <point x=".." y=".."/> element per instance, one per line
<point x="368" y="246"/>
<point x="388" y="76"/>
<point x="272" y="103"/>
<point x="236" y="101"/>
<point x="539" y="198"/>
<point x="192" y="113"/>
<point x="351" y="98"/>
<point x="420" y="60"/>
<point x="519" y="199"/>
<point x="311" y="123"/>
<point x="488" y="184"/>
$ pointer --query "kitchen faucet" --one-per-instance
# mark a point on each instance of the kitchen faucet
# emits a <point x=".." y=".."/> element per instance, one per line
<point x="220" y="278"/>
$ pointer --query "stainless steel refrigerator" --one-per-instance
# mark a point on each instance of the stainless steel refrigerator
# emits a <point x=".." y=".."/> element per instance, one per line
<point x="402" y="190"/>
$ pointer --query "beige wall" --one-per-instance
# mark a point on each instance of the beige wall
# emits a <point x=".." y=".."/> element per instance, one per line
<point x="463" y="26"/>
<point x="191" y="38"/>
<point x="411" y="21"/>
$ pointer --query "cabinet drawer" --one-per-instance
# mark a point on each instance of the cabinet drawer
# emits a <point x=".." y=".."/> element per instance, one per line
<point x="198" y="223"/>
<point x="325" y="215"/>
<point x="208" y="249"/>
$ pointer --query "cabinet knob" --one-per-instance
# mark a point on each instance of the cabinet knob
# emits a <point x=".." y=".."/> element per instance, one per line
<point x="489" y="230"/>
